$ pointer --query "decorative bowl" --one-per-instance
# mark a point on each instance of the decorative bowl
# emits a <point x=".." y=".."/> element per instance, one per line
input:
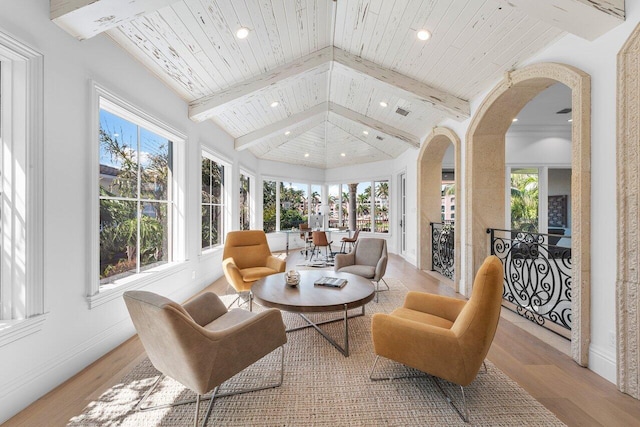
<point x="292" y="278"/>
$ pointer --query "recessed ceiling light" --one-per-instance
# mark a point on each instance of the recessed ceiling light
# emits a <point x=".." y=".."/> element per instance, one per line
<point x="514" y="119"/>
<point x="287" y="132"/>
<point x="274" y="104"/>
<point x="366" y="132"/>
<point x="570" y="120"/>
<point x="342" y="154"/>
<point x="424" y="35"/>
<point x="383" y="104"/>
<point x="242" y="33"/>
<point x="306" y="154"/>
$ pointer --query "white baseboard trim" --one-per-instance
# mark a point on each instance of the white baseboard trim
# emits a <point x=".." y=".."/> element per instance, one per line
<point x="603" y="363"/>
<point x="27" y="388"/>
<point x="19" y="393"/>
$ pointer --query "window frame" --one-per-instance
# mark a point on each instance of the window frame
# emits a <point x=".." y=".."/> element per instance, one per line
<point x="21" y="77"/>
<point x="252" y="197"/>
<point x="226" y="196"/>
<point x="119" y="106"/>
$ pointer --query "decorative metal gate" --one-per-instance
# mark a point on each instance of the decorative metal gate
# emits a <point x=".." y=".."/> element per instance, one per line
<point x="537" y="276"/>
<point x="442" y="248"/>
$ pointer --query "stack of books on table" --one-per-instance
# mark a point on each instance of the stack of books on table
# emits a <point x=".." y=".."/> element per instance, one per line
<point x="332" y="282"/>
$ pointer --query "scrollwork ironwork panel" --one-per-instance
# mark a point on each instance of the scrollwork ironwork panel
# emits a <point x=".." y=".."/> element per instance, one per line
<point x="537" y="274"/>
<point x="442" y="248"/>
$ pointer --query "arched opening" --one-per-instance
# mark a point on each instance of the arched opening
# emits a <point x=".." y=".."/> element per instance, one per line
<point x="628" y="211"/>
<point x="485" y="178"/>
<point x="430" y="196"/>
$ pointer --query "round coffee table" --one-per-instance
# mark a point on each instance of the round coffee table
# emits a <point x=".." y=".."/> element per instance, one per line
<point x="271" y="291"/>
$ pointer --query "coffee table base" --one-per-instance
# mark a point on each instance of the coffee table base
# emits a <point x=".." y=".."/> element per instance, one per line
<point x="344" y="349"/>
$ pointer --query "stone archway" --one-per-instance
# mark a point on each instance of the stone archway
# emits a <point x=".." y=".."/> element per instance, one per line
<point x="485" y="178"/>
<point x="628" y="211"/>
<point x="429" y="198"/>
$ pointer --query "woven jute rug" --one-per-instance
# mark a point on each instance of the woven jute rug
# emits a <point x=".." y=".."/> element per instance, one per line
<point x="323" y="388"/>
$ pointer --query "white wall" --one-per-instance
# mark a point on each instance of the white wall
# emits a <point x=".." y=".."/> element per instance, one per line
<point x="74" y="335"/>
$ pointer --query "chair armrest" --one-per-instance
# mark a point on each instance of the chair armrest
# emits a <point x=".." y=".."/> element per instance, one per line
<point x="276" y="264"/>
<point x="343" y="260"/>
<point x="381" y="268"/>
<point x="437" y="305"/>
<point x="232" y="273"/>
<point x="205" y="308"/>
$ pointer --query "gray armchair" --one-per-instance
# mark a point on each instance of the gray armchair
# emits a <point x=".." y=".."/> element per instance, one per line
<point x="367" y="259"/>
<point x="201" y="344"/>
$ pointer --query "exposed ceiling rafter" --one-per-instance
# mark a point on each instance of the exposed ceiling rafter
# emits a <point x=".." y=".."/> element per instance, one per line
<point x="322" y="60"/>
<point x="298" y="124"/>
<point x="588" y="19"/>
<point x="84" y="19"/>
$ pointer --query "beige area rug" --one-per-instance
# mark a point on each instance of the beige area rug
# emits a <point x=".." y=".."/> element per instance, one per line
<point x="323" y="388"/>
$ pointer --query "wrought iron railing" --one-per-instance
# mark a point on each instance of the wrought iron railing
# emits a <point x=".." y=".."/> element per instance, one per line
<point x="537" y="276"/>
<point x="443" y="248"/>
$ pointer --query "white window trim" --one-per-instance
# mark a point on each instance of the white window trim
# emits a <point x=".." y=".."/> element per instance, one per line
<point x="125" y="109"/>
<point x="227" y="197"/>
<point x="22" y="80"/>
<point x="252" y="196"/>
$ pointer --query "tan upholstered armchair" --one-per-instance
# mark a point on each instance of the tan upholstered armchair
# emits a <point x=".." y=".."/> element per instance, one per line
<point x="201" y="344"/>
<point x="442" y="336"/>
<point x="247" y="258"/>
<point x="367" y="259"/>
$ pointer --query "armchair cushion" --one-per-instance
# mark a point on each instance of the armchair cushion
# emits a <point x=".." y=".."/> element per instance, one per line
<point x="361" y="270"/>
<point x="252" y="274"/>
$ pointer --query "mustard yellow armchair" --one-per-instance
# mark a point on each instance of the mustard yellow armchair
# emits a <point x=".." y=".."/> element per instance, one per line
<point x="247" y="258"/>
<point x="445" y="337"/>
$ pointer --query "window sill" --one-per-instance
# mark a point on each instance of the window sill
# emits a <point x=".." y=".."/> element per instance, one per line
<point x="13" y="330"/>
<point x="143" y="279"/>
<point x="211" y="252"/>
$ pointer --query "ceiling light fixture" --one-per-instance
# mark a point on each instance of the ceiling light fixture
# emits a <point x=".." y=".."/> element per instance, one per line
<point x="342" y="154"/>
<point x="242" y="33"/>
<point x="424" y="35"/>
<point x="383" y="104"/>
<point x="274" y="104"/>
<point x="306" y="154"/>
<point x="287" y="132"/>
<point x="366" y="132"/>
<point x="570" y="120"/>
<point x="514" y="120"/>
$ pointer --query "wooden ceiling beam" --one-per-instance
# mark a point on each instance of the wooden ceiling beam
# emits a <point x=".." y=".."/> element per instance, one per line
<point x="204" y="108"/>
<point x="404" y="86"/>
<point x="84" y="19"/>
<point x="297" y="124"/>
<point x="588" y="19"/>
<point x="320" y="61"/>
<point x="377" y="125"/>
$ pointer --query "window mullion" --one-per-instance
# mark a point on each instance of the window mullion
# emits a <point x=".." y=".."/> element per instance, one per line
<point x="138" y="204"/>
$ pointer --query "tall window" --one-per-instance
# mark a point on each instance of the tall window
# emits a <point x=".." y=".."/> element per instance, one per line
<point x="371" y="207"/>
<point x="269" y="203"/>
<point x="245" y="201"/>
<point x="333" y="200"/>
<point x="21" y="190"/>
<point x="381" y="206"/>
<point x="294" y="206"/>
<point x="213" y="201"/>
<point x="524" y="199"/>
<point x="136" y="205"/>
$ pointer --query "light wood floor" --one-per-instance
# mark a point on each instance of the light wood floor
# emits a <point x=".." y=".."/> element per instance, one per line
<point x="576" y="395"/>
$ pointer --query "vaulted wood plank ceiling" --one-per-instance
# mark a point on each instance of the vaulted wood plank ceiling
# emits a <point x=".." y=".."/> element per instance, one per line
<point x="341" y="72"/>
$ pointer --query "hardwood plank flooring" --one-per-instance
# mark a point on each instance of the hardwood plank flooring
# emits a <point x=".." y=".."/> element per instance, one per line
<point x="574" y="394"/>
